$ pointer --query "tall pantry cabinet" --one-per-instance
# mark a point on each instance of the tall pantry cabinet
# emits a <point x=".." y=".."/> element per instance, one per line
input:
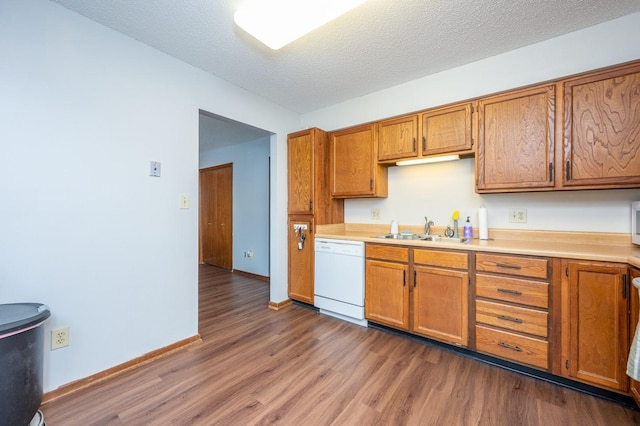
<point x="309" y="204"/>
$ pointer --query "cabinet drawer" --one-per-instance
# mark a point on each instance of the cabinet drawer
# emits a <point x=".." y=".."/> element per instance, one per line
<point x="514" y="347"/>
<point x="443" y="259"/>
<point x="514" y="318"/>
<point x="525" y="292"/>
<point x="397" y="254"/>
<point x="533" y="267"/>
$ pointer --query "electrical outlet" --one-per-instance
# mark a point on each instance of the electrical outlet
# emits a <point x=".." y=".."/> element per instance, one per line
<point x="248" y="254"/>
<point x="518" y="215"/>
<point x="375" y="214"/>
<point x="59" y="338"/>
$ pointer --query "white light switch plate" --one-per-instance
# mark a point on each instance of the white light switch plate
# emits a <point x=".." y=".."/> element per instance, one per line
<point x="184" y="201"/>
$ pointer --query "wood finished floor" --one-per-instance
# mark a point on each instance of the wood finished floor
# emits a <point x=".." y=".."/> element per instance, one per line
<point x="257" y="366"/>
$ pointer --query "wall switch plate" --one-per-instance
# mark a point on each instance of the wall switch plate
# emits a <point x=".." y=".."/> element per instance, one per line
<point x="154" y="168"/>
<point x="518" y="215"/>
<point x="184" y="201"/>
<point x="375" y="214"/>
<point x="59" y="338"/>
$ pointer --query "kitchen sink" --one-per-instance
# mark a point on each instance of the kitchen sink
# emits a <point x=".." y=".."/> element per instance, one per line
<point x="435" y="238"/>
<point x="400" y="236"/>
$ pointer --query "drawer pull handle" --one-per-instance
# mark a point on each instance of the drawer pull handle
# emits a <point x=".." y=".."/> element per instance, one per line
<point x="512" y="319"/>
<point x="506" y="290"/>
<point x="504" y="265"/>
<point x="513" y="348"/>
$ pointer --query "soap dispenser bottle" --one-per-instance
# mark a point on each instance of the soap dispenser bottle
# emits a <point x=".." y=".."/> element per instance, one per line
<point x="468" y="230"/>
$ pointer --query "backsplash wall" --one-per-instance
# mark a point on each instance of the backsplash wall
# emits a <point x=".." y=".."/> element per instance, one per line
<point x="436" y="190"/>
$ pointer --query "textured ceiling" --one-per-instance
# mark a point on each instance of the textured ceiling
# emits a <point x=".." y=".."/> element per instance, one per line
<point x="377" y="45"/>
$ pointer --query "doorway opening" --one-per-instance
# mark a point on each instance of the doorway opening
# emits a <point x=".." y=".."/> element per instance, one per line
<point x="246" y="151"/>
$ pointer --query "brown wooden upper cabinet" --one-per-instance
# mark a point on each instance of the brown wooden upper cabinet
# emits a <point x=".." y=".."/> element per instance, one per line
<point x="301" y="168"/>
<point x="602" y="129"/>
<point x="308" y="179"/>
<point x="355" y="172"/>
<point x="398" y="138"/>
<point x="515" y="149"/>
<point x="439" y="131"/>
<point x="447" y="130"/>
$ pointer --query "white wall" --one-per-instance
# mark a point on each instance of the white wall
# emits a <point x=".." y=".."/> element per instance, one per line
<point x="438" y="189"/>
<point x="250" y="201"/>
<point x="83" y="228"/>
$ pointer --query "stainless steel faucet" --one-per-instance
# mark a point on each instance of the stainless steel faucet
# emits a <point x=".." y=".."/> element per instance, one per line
<point x="427" y="225"/>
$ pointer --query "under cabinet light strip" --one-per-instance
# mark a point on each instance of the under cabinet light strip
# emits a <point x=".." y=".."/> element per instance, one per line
<point x="428" y="160"/>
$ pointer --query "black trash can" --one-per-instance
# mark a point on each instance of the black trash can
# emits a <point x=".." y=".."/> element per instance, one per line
<point x="21" y="354"/>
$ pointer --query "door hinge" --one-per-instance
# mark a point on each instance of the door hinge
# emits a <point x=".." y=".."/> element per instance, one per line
<point x="624" y="286"/>
<point x="566" y="271"/>
<point x="566" y="364"/>
<point x="550" y="172"/>
<point x="568" y="170"/>
<point x="371" y="184"/>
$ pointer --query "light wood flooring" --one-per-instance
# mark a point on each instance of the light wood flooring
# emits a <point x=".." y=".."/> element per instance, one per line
<point x="297" y="367"/>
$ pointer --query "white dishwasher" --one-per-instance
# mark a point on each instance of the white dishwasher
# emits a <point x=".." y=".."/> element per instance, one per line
<point x="339" y="279"/>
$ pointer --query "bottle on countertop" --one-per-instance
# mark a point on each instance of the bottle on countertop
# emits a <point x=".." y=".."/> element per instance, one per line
<point x="394" y="226"/>
<point x="468" y="230"/>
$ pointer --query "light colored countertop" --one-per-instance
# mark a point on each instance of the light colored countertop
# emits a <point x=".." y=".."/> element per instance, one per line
<point x="571" y="245"/>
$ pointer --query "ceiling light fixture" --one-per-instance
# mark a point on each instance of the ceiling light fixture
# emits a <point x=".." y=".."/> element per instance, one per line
<point x="428" y="160"/>
<point x="277" y="23"/>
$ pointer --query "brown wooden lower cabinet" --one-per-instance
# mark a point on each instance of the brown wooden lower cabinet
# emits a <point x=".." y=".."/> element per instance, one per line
<point x="513" y="346"/>
<point x="595" y="318"/>
<point x="440" y="299"/>
<point x="634" y="386"/>
<point x="595" y="308"/>
<point x="387" y="286"/>
<point x="511" y="308"/>
<point x="425" y="296"/>
<point x="301" y="258"/>
<point x="441" y="304"/>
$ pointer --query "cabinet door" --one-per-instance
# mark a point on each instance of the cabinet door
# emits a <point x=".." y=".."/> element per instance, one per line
<point x="598" y="324"/>
<point x="441" y="304"/>
<point x="446" y="130"/>
<point x="635" y="317"/>
<point x="398" y="138"/>
<point x="301" y="172"/>
<point x="387" y="293"/>
<point x="516" y="141"/>
<point x="301" y="260"/>
<point x="354" y="169"/>
<point x="601" y="131"/>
